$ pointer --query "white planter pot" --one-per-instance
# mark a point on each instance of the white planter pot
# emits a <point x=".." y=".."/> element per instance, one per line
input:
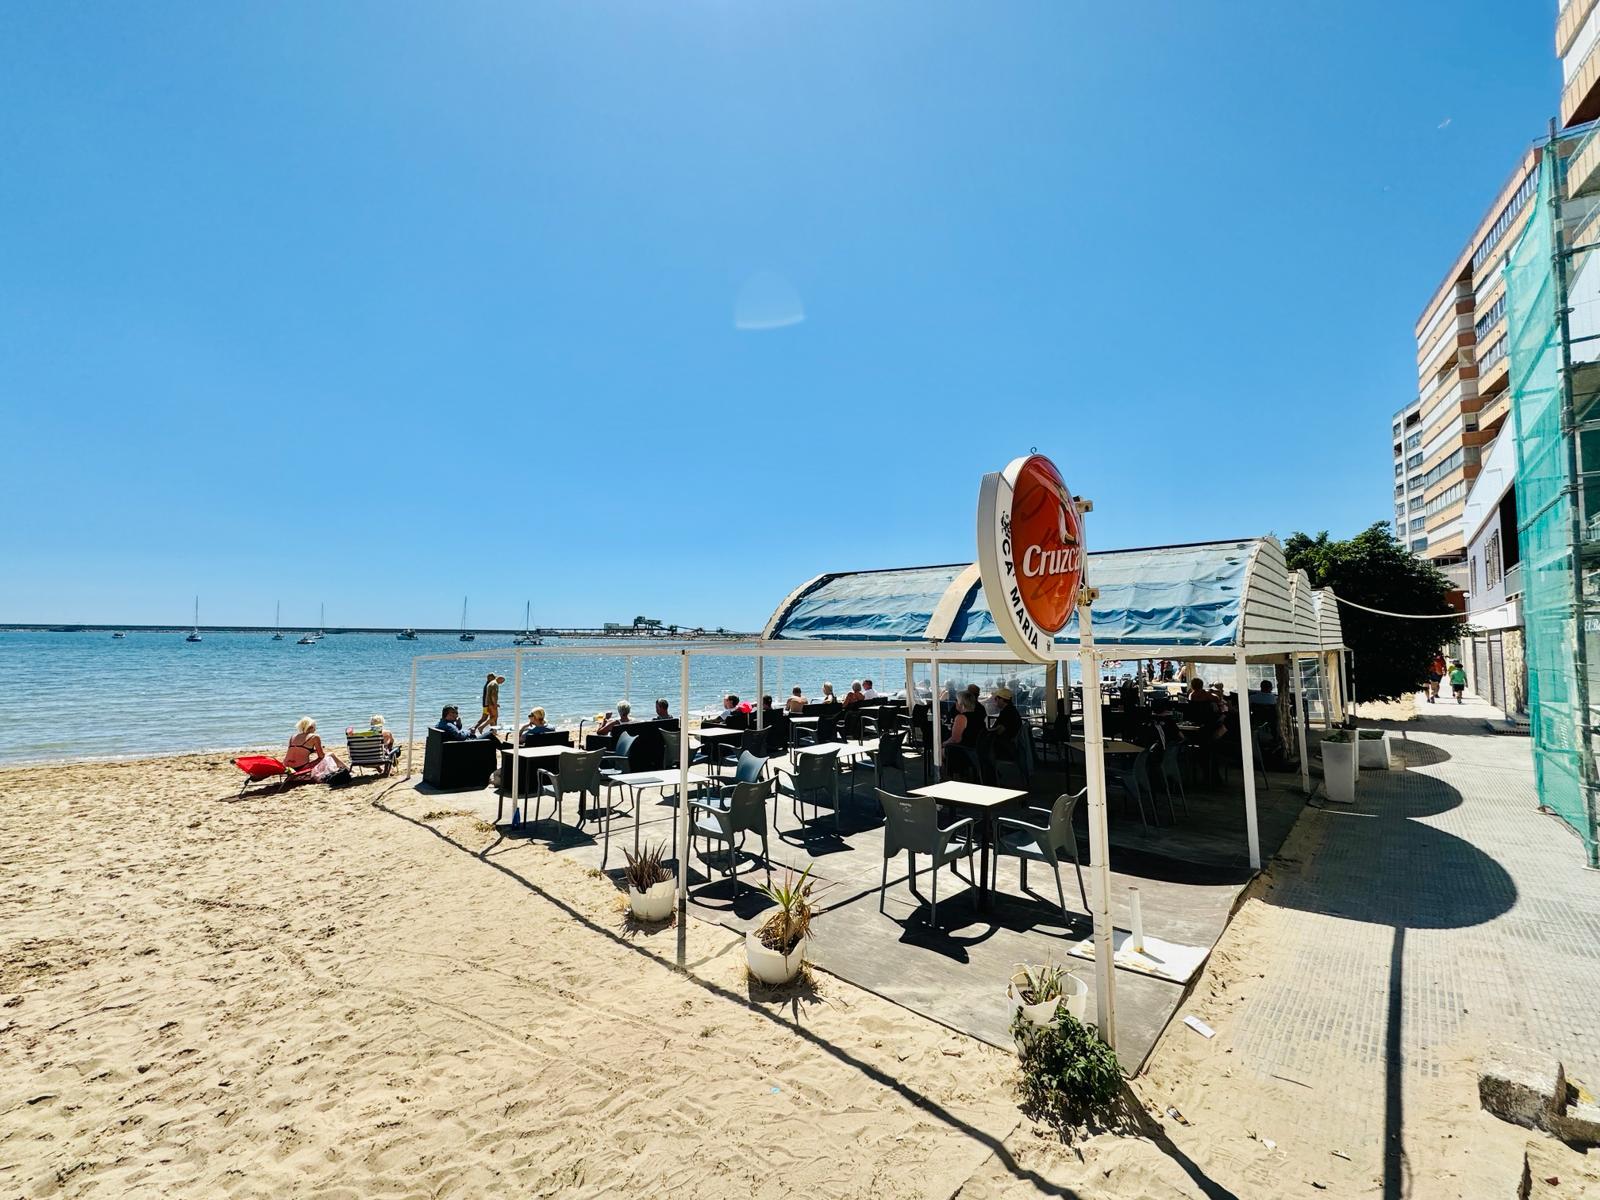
<point x="1374" y="754"/>
<point x="655" y="904"/>
<point x="769" y="966"/>
<point x="1339" y="771"/>
<point x="1074" y="996"/>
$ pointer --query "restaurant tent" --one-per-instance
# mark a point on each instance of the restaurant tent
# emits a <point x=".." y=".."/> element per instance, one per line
<point x="1229" y="602"/>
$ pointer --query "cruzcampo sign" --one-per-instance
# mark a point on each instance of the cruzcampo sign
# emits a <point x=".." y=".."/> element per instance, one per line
<point x="1030" y="553"/>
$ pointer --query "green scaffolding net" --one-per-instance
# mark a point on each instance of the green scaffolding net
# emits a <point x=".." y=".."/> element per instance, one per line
<point x="1552" y="388"/>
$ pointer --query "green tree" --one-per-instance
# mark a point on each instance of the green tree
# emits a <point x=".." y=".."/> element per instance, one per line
<point x="1390" y="654"/>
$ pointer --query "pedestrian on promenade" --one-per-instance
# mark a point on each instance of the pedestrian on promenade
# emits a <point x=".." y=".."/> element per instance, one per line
<point x="1458" y="679"/>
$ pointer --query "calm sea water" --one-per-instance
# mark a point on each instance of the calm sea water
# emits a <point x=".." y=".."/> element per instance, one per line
<point x="88" y="695"/>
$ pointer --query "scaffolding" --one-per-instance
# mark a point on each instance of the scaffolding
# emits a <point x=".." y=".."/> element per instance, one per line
<point x="1553" y="330"/>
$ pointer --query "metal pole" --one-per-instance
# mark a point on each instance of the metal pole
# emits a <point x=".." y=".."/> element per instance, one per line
<point x="516" y="737"/>
<point x="1329" y="684"/>
<point x="682" y="848"/>
<point x="935" y="724"/>
<point x="1302" y="714"/>
<point x="627" y="681"/>
<point x="411" y="724"/>
<point x="1052" y="680"/>
<point x="911" y="686"/>
<point x="1247" y="760"/>
<point x="761" y="663"/>
<point x="1099" y="837"/>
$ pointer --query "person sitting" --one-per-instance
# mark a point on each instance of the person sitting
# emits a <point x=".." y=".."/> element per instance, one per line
<point x="449" y="724"/>
<point x="535" y="726"/>
<point x="766" y="710"/>
<point x="1265" y="696"/>
<point x="796" y="703"/>
<point x="734" y="715"/>
<point x="1007" y="720"/>
<point x="305" y="751"/>
<point x="613" y="723"/>
<point x="663" y="711"/>
<point x="962" y="747"/>
<point x="867" y="690"/>
<point x="375" y="725"/>
<point x="827" y="694"/>
<point x="854" y="696"/>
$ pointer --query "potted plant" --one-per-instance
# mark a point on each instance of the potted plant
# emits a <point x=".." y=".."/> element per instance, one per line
<point x="1373" y="750"/>
<point x="1037" y="992"/>
<point x="1339" y="766"/>
<point x="775" y="950"/>
<point x="650" y="884"/>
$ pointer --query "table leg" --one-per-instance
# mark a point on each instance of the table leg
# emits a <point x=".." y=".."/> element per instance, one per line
<point x="635" y="792"/>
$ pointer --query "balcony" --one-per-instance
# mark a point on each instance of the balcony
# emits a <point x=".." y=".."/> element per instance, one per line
<point x="1580" y="99"/>
<point x="1570" y="22"/>
<point x="1513" y="584"/>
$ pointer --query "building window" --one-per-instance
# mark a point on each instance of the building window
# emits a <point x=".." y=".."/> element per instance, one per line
<point x="1414" y="482"/>
<point x="1414" y="441"/>
<point x="1397" y="429"/>
<point x="1490" y="318"/>
<point x="1491" y="560"/>
<point x="1418" y="545"/>
<point x="1417" y="524"/>
<point x="1414" y="461"/>
<point x="1503" y="222"/>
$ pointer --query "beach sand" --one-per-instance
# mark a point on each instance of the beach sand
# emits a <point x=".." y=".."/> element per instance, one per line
<point x="355" y="992"/>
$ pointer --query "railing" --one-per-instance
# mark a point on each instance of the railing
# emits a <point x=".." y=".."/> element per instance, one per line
<point x="1513" y="580"/>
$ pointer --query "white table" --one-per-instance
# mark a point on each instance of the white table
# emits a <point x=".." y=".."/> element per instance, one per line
<point x="634" y="781"/>
<point x="532" y="756"/>
<point x="983" y="801"/>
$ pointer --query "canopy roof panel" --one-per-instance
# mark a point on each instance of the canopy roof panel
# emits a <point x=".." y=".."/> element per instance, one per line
<point x="1212" y="594"/>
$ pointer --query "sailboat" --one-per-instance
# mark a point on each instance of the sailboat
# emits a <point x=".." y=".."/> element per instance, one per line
<point x="277" y="622"/>
<point x="311" y="639"/>
<point x="527" y="637"/>
<point x="195" y="636"/>
<point x="465" y="636"/>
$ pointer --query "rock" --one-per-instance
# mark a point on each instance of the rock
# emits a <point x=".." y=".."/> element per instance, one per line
<point x="1520" y="1086"/>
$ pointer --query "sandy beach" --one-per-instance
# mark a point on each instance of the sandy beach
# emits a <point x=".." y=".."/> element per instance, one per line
<point x="340" y="993"/>
<point x="366" y="992"/>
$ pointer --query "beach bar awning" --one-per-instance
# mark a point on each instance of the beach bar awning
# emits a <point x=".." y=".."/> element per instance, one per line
<point x="1207" y="601"/>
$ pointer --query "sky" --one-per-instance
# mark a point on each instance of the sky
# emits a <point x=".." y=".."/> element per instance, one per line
<point x="626" y="308"/>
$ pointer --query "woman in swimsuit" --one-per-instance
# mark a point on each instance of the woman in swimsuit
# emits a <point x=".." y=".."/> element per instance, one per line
<point x="305" y="750"/>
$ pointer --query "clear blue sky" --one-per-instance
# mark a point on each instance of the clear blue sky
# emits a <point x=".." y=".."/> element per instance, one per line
<point x="665" y="308"/>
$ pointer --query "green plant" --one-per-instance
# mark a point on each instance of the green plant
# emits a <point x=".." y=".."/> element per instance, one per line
<point x="1390" y="656"/>
<point x="1371" y="735"/>
<point x="783" y="930"/>
<point x="1067" y="1071"/>
<point x="1039" y="983"/>
<point x="646" y="869"/>
<point x="1338" y="735"/>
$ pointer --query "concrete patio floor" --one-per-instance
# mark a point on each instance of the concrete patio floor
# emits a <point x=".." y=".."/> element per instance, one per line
<point x="1189" y="874"/>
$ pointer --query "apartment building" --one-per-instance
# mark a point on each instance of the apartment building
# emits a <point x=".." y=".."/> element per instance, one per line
<point x="1462" y="401"/>
<point x="1577" y="36"/>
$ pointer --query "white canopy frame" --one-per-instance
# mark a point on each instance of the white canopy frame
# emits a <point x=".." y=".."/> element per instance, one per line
<point x="933" y="654"/>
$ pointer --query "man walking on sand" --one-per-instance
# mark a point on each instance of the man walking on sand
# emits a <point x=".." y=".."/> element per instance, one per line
<point x="491" y="702"/>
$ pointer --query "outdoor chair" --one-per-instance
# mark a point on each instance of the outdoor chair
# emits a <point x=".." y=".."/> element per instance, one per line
<point x="754" y="742"/>
<point x="577" y="771"/>
<point x="745" y="812"/>
<point x="1260" y="735"/>
<point x="749" y="770"/>
<point x="1172" y="773"/>
<point x="890" y="756"/>
<point x="1047" y="842"/>
<point x="1134" y="780"/>
<point x="815" y="776"/>
<point x="911" y="825"/>
<point x="366" y="750"/>
<point x="826" y="730"/>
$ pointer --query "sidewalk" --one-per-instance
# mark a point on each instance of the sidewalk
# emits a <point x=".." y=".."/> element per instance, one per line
<point x="1391" y="944"/>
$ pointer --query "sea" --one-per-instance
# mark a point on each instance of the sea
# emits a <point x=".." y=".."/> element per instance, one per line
<point x="87" y="695"/>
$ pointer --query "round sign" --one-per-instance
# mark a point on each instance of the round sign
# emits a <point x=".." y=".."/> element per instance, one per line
<point x="1030" y="553"/>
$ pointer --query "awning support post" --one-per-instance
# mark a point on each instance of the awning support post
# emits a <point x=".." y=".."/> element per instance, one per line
<point x="1099" y="837"/>
<point x="911" y="688"/>
<point x="411" y="724"/>
<point x="681" y="850"/>
<point x="761" y="664"/>
<point x="516" y="737"/>
<point x="1302" y="714"/>
<point x="1247" y="759"/>
<point x="627" y="680"/>
<point x="935" y="724"/>
<point x="1052" y="702"/>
